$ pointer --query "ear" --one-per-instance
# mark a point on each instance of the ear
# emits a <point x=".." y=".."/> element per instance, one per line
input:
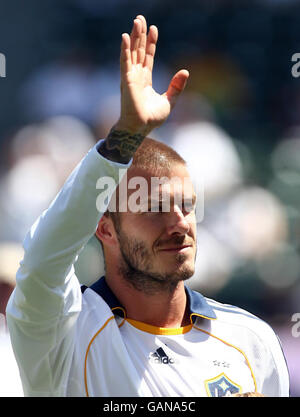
<point x="106" y="231"/>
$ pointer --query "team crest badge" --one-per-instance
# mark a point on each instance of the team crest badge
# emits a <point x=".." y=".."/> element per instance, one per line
<point x="221" y="386"/>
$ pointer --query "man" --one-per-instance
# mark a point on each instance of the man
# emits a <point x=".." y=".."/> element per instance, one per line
<point x="139" y="331"/>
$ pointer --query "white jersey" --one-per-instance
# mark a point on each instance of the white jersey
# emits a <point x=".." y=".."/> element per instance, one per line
<point x="10" y="382"/>
<point x="73" y="341"/>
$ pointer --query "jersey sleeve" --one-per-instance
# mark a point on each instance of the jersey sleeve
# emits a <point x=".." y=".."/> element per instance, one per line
<point x="44" y="306"/>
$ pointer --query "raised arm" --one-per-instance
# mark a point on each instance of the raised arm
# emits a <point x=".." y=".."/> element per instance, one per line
<point x="142" y="108"/>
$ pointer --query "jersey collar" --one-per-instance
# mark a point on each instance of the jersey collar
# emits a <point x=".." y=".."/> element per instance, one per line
<point x="197" y="303"/>
<point x="199" y="307"/>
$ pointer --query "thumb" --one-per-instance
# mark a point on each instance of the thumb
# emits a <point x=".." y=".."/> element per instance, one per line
<point x="176" y="86"/>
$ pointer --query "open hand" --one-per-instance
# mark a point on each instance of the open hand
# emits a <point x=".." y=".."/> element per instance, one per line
<point x="142" y="108"/>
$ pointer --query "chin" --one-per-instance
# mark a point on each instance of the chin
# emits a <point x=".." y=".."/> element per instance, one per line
<point x="187" y="273"/>
<point x="180" y="272"/>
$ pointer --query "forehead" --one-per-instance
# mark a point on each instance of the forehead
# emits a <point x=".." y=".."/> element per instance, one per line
<point x="177" y="173"/>
<point x="159" y="183"/>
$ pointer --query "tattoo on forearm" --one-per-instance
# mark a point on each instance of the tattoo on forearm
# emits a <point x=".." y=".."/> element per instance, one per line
<point x="124" y="142"/>
<point x="120" y="145"/>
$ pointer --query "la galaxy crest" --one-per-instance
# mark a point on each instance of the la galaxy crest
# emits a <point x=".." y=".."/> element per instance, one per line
<point x="221" y="386"/>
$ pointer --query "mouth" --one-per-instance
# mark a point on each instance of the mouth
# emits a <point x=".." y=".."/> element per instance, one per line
<point x="176" y="249"/>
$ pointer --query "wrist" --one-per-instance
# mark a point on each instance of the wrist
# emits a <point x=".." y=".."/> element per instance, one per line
<point x="132" y="128"/>
<point x="120" y="145"/>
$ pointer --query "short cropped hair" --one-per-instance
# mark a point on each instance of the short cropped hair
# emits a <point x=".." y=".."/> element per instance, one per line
<point x="155" y="155"/>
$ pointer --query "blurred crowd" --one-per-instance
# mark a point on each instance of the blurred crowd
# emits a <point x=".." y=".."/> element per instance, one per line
<point x="237" y="125"/>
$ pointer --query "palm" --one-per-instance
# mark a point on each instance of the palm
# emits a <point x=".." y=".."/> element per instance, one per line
<point x="141" y="104"/>
<point x="149" y="106"/>
<point x="157" y="107"/>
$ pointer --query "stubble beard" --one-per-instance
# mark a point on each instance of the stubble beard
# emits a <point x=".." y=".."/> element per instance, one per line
<point x="136" y="268"/>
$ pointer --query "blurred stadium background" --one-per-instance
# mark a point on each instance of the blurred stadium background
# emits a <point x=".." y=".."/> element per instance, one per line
<point x="237" y="125"/>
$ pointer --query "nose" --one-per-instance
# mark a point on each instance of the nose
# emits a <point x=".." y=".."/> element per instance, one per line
<point x="178" y="223"/>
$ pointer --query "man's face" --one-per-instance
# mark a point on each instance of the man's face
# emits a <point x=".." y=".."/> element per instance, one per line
<point x="157" y="244"/>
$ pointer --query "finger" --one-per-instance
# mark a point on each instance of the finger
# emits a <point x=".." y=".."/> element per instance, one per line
<point x="176" y="86"/>
<point x="143" y="40"/>
<point x="125" y="57"/>
<point x="151" y="47"/>
<point x="135" y="39"/>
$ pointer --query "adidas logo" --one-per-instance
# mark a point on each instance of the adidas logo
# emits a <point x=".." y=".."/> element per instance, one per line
<point x="160" y="357"/>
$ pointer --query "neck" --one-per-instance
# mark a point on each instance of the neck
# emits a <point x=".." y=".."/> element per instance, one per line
<point x="166" y="308"/>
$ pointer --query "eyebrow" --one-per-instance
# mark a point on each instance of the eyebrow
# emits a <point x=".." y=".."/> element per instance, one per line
<point x="193" y="199"/>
